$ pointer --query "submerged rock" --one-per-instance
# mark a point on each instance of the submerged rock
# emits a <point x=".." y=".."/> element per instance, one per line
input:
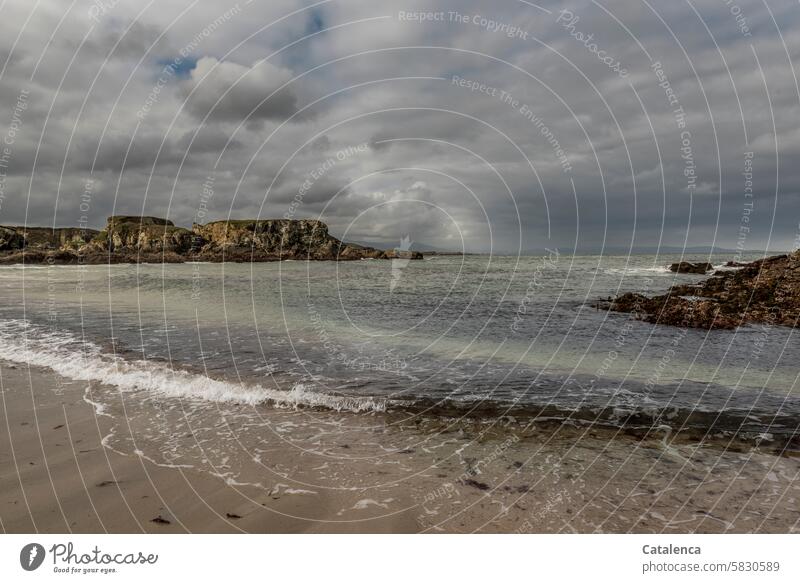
<point x="766" y="291"/>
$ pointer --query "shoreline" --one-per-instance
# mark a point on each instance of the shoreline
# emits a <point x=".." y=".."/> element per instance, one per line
<point x="58" y="476"/>
<point x="64" y="470"/>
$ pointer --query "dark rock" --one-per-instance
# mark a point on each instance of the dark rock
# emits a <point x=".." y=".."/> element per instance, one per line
<point x="160" y="520"/>
<point x="401" y="254"/>
<point x="688" y="267"/>
<point x="10" y="239"/>
<point x="232" y="515"/>
<point x="766" y="291"/>
<point x="476" y="484"/>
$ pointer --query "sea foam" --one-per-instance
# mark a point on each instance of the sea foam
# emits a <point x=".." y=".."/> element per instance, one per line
<point x="26" y="343"/>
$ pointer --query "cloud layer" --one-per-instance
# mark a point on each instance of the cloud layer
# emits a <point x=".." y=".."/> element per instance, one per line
<point x="506" y="126"/>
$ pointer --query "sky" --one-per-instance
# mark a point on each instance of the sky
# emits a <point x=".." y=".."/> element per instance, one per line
<point x="505" y="126"/>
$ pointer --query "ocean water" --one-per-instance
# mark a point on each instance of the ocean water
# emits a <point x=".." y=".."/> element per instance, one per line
<point x="476" y="336"/>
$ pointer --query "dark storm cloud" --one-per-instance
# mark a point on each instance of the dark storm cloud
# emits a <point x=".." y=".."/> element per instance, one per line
<point x="440" y="120"/>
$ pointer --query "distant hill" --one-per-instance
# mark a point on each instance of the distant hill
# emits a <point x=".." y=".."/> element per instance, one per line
<point x="609" y="250"/>
<point x="421" y="247"/>
<point x="675" y="250"/>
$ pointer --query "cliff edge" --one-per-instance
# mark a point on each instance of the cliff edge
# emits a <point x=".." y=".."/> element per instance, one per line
<point x="132" y="239"/>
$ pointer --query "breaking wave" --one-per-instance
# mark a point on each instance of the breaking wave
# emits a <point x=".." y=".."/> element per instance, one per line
<point x="74" y="358"/>
<point x="26" y="343"/>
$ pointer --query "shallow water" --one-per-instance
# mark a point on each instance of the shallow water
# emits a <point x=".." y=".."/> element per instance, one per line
<point x="476" y="335"/>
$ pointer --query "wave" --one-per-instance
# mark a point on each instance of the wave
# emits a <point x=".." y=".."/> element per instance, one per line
<point x="636" y="270"/>
<point x="72" y="357"/>
<point x="65" y="354"/>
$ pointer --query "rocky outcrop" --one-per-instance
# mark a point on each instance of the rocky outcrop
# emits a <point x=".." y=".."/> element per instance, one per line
<point x="282" y="239"/>
<point x="11" y="239"/>
<point x="131" y="239"/>
<point x="766" y="291"/>
<point x="142" y="235"/>
<point x="44" y="238"/>
<point x="688" y="267"/>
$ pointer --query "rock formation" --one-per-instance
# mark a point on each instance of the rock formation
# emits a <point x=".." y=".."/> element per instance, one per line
<point x="688" y="267"/>
<point x="282" y="239"/>
<point x="131" y="239"/>
<point x="766" y="291"/>
<point x="44" y="238"/>
<point x="142" y="234"/>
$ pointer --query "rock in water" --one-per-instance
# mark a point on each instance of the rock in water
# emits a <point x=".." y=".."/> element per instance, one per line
<point x="766" y="291"/>
<point x="688" y="267"/>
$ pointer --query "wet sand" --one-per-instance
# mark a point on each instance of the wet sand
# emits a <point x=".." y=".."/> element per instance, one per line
<point x="68" y="465"/>
<point x="56" y="476"/>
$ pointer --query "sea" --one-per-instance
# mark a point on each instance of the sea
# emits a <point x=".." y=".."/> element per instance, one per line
<point x="478" y="337"/>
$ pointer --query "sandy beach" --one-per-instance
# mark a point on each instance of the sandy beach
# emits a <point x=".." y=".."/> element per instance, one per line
<point x="65" y="467"/>
<point x="56" y="477"/>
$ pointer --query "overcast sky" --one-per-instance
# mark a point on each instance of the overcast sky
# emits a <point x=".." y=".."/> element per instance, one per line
<point x="500" y="125"/>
